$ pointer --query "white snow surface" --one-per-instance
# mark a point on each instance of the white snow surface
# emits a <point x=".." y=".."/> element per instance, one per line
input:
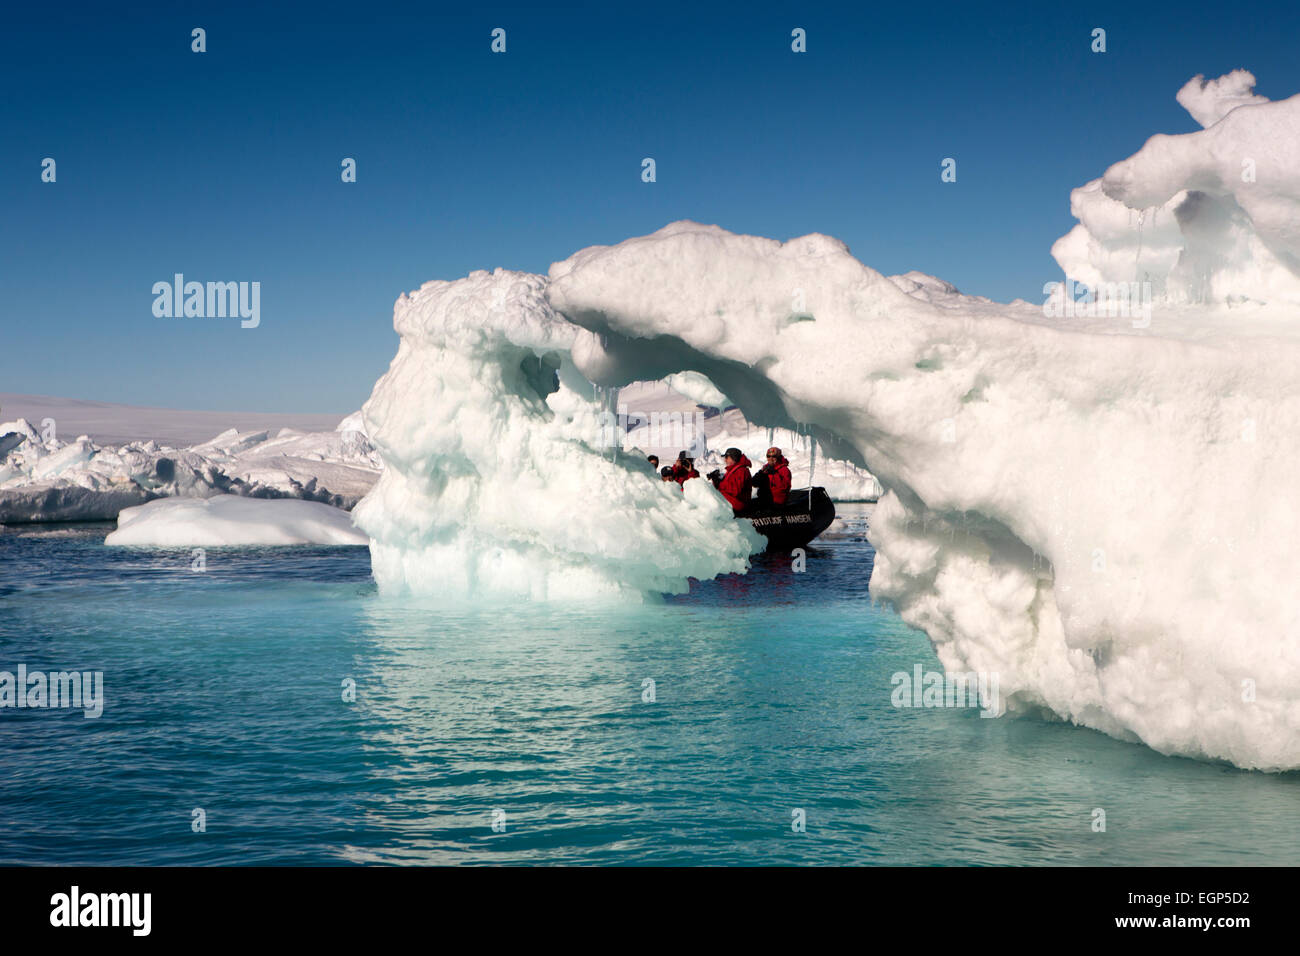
<point x="228" y="520"/>
<point x="1100" y="512"/>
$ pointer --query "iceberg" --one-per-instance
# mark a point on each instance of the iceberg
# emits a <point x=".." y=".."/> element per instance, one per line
<point x="1100" y="510"/>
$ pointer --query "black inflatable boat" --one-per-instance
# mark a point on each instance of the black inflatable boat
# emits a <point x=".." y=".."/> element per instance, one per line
<point x="792" y="525"/>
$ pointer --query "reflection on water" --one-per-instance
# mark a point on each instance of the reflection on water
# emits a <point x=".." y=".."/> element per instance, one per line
<point x="771" y="692"/>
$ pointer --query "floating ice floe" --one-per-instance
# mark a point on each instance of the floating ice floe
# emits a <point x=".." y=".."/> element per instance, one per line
<point x="227" y="520"/>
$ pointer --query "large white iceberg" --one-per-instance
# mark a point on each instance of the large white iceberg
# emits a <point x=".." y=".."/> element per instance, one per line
<point x="1101" y="509"/>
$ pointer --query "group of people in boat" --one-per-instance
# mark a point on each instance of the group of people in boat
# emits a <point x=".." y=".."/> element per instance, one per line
<point x="770" y="486"/>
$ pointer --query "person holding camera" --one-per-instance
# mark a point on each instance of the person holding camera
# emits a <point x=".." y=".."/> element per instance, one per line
<point x="736" y="485"/>
<point x="684" y="468"/>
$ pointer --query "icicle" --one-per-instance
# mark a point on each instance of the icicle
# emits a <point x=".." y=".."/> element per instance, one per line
<point x="812" y="464"/>
<point x="1137" y="261"/>
<point x="611" y="405"/>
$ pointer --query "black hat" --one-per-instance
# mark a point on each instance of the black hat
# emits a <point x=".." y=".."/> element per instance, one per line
<point x="734" y="453"/>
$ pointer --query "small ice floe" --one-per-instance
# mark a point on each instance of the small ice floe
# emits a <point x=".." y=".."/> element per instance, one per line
<point x="227" y="520"/>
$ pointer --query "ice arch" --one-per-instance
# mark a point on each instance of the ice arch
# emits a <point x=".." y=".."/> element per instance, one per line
<point x="1102" y="512"/>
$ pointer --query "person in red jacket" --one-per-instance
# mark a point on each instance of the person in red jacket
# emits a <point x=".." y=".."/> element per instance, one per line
<point x="776" y="475"/>
<point x="735" y="485"/>
<point x="684" y="468"/>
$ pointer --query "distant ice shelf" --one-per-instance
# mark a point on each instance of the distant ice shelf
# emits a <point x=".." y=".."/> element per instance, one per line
<point x="46" y="479"/>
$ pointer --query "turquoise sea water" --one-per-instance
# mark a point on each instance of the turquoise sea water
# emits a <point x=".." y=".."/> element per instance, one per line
<point x="223" y="691"/>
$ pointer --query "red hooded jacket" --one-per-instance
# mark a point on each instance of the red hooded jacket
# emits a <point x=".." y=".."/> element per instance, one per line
<point x="736" y="486"/>
<point x="681" y="473"/>
<point x="779" y="481"/>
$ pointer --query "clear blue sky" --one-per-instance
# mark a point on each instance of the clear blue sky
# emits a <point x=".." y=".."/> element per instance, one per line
<point x="225" y="165"/>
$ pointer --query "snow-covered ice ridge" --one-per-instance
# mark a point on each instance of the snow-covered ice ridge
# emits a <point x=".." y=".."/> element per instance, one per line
<point x="1104" y="515"/>
<point x="47" y="479"/>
